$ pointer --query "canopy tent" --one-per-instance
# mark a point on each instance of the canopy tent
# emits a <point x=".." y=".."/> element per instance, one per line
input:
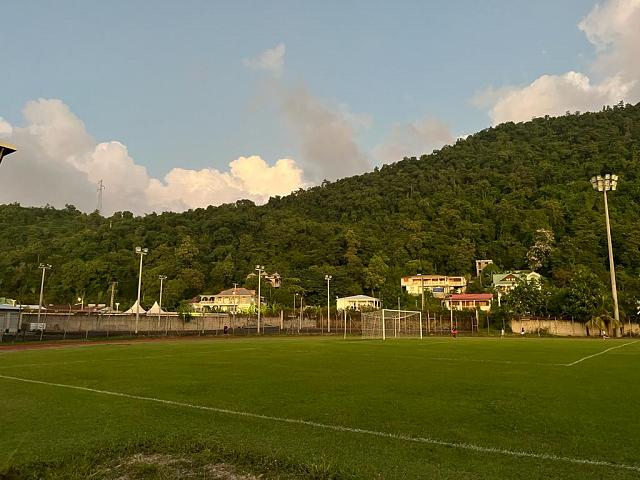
<point x="156" y="310"/>
<point x="133" y="309"/>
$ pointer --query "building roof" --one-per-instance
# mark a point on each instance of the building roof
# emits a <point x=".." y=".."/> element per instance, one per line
<point x="359" y="297"/>
<point x="431" y="275"/>
<point x="6" y="306"/>
<point x="6" y="149"/>
<point x="510" y="277"/>
<point x="239" y="292"/>
<point x="471" y="296"/>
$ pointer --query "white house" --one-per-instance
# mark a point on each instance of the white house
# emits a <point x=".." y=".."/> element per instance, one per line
<point x="358" y="302"/>
<point x="505" y="282"/>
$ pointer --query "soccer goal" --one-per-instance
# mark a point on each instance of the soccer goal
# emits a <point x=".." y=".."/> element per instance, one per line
<point x="391" y="324"/>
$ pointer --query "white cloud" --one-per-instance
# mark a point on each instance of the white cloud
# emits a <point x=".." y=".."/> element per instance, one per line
<point x="271" y="60"/>
<point x="326" y="135"/>
<point x="58" y="163"/>
<point x="556" y="94"/>
<point x="249" y="177"/>
<point x="5" y="128"/>
<point x="614" y="29"/>
<point x="414" y="139"/>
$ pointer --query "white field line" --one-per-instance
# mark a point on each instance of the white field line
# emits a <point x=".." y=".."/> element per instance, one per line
<point x="597" y="354"/>
<point x="341" y="428"/>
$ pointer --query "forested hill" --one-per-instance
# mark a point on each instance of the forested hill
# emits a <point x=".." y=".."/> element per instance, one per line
<point x="484" y="197"/>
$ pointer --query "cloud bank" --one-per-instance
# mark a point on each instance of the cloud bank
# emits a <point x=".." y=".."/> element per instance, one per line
<point x="59" y="163"/>
<point x="414" y="139"/>
<point x="614" y="30"/>
<point x="325" y="133"/>
<point x="271" y="60"/>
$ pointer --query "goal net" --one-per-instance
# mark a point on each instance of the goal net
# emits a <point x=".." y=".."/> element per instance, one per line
<point x="391" y="324"/>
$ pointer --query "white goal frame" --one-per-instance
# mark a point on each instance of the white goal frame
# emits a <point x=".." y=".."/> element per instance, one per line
<point x="381" y="318"/>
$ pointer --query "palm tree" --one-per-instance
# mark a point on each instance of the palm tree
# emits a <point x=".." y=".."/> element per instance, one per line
<point x="596" y="323"/>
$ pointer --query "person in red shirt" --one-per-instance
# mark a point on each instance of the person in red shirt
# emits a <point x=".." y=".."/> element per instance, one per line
<point x="454" y="332"/>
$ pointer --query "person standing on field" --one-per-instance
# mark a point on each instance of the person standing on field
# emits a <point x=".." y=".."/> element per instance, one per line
<point x="522" y="332"/>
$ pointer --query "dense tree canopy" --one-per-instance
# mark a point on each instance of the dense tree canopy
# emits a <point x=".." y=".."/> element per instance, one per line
<point x="498" y="194"/>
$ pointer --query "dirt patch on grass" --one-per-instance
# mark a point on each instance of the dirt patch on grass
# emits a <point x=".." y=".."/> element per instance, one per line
<point x="160" y="466"/>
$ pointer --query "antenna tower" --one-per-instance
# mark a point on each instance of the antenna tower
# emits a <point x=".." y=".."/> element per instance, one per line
<point x="100" y="189"/>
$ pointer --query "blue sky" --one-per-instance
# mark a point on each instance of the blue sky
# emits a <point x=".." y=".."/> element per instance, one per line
<point x="170" y="79"/>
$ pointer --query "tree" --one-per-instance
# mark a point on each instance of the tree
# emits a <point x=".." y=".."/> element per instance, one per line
<point x="375" y="275"/>
<point x="584" y="294"/>
<point x="527" y="298"/>
<point x="538" y="253"/>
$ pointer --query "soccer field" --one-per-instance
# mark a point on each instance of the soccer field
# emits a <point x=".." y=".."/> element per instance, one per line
<point x="326" y="407"/>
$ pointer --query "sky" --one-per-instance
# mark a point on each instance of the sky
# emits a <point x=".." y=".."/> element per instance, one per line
<point x="179" y="105"/>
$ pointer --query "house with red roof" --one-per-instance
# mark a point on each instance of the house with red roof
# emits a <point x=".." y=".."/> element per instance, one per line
<point x="468" y="301"/>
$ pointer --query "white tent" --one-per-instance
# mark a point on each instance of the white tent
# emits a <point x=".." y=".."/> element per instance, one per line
<point x="156" y="310"/>
<point x="133" y="309"/>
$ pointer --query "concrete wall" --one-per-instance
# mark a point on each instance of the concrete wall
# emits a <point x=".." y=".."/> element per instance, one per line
<point x="561" y="327"/>
<point x="74" y="324"/>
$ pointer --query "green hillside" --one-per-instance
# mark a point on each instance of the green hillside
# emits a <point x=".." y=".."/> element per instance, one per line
<point x="484" y="197"/>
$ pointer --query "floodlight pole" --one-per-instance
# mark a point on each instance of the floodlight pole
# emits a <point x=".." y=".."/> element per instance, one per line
<point x="142" y="252"/>
<point x="295" y="295"/>
<point x="604" y="184"/>
<point x="328" y="279"/>
<point x="161" y="278"/>
<point x="260" y="270"/>
<point x="44" y="267"/>
<point x="451" y="311"/>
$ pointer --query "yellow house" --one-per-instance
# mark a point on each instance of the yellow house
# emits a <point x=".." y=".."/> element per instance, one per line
<point x="439" y="285"/>
<point x="238" y="300"/>
<point x="468" y="301"/>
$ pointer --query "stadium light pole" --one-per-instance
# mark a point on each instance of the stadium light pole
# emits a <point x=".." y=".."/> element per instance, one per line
<point x="6" y="149"/>
<point x="162" y="278"/>
<point x="44" y="267"/>
<point x="328" y="279"/>
<point x="603" y="184"/>
<point x="142" y="252"/>
<point x="260" y="270"/>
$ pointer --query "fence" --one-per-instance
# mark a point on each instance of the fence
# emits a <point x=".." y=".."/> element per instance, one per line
<point x="62" y="326"/>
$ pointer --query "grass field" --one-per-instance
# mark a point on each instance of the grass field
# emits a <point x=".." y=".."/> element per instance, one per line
<point x="325" y="408"/>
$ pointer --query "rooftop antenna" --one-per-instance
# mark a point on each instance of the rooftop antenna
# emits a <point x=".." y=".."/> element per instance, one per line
<point x="100" y="189"/>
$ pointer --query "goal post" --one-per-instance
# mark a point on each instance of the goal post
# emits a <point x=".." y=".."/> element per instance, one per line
<point x="386" y="323"/>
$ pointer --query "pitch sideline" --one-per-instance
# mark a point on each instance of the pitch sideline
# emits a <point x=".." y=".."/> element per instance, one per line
<point x="340" y="428"/>
<point x="597" y="354"/>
